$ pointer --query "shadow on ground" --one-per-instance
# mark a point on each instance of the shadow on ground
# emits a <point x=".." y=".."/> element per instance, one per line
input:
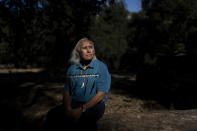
<point x="26" y="97"/>
<point x="177" y="93"/>
<point x="29" y="100"/>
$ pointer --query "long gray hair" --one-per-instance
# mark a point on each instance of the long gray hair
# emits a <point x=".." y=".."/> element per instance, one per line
<point x="75" y="58"/>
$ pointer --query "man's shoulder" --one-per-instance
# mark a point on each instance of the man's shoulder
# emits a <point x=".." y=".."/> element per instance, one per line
<point x="101" y="64"/>
<point x="71" y="68"/>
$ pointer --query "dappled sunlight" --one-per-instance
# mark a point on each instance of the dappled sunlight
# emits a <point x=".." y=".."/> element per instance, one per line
<point x="39" y="101"/>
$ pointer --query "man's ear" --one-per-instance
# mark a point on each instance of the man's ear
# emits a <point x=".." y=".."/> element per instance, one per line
<point x="77" y="52"/>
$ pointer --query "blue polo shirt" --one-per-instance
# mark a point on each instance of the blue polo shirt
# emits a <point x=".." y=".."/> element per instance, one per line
<point x="95" y="78"/>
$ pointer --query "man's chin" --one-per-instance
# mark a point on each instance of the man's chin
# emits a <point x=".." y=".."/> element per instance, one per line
<point x="89" y="59"/>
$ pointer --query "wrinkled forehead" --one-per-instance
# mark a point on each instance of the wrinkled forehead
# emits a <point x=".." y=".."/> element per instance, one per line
<point x="85" y="42"/>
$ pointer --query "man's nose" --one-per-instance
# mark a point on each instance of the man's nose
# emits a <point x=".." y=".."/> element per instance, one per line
<point x="88" y="50"/>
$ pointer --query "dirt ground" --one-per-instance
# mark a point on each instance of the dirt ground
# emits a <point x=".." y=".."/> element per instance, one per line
<point x="26" y="100"/>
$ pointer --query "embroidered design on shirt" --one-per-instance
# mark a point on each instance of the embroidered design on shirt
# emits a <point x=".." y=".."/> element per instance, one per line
<point x="79" y="76"/>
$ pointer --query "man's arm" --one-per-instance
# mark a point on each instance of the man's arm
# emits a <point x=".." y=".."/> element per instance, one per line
<point x="94" y="100"/>
<point x="73" y="114"/>
<point x="67" y="101"/>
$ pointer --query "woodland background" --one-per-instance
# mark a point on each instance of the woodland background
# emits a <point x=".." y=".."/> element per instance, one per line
<point x="158" y="45"/>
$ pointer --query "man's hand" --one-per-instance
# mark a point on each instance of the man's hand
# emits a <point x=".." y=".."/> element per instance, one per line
<point x="94" y="100"/>
<point x="74" y="114"/>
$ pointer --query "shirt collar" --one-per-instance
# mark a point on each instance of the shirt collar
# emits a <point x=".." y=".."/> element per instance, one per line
<point x="90" y="65"/>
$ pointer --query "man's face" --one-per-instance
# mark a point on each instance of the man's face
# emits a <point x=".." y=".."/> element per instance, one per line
<point x="86" y="50"/>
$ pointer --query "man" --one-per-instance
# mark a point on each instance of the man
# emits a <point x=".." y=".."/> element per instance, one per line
<point x="86" y="87"/>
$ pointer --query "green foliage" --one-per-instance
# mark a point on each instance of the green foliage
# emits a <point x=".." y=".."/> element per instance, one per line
<point x="109" y="33"/>
<point x="172" y="21"/>
<point x="44" y="36"/>
<point x="165" y="38"/>
<point x="163" y="28"/>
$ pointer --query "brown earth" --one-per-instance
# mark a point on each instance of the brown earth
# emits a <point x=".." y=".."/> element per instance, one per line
<point x="26" y="102"/>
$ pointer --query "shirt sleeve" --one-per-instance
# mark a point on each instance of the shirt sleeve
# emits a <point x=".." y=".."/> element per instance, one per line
<point x="103" y="81"/>
<point x="67" y="82"/>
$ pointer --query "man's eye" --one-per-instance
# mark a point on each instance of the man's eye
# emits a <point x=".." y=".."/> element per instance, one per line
<point x="84" y="47"/>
